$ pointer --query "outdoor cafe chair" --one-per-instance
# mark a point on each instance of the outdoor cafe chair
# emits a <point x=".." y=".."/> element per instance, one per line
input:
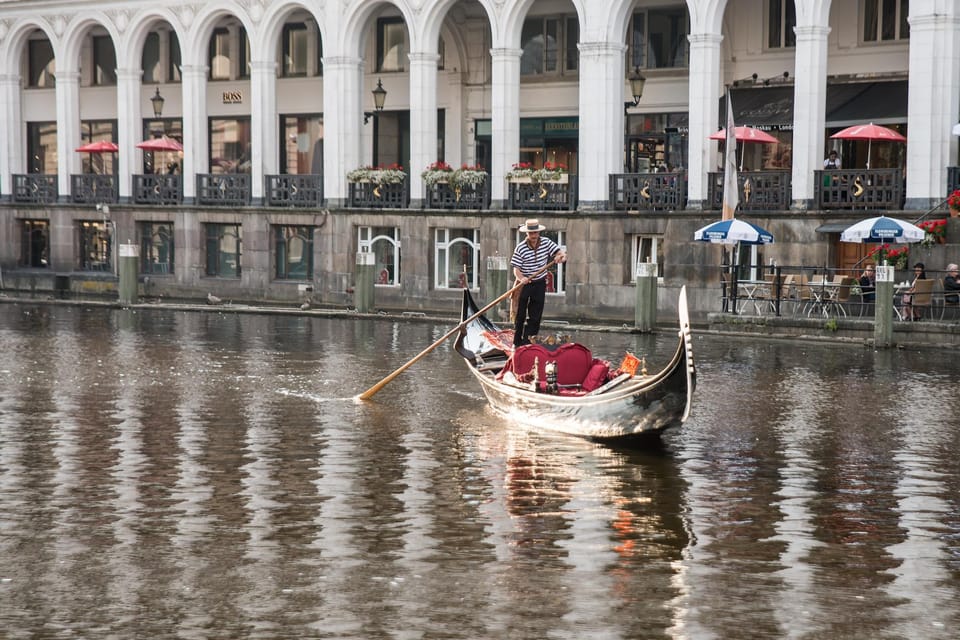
<point x="922" y="297"/>
<point x="949" y="308"/>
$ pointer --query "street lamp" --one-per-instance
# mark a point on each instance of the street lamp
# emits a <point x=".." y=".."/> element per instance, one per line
<point x="379" y="97"/>
<point x="157" y="102"/>
<point x="637" y="82"/>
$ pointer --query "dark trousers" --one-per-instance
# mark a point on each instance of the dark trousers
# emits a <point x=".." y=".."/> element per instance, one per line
<point x="529" y="311"/>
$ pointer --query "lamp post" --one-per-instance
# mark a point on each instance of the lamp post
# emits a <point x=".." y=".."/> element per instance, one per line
<point x="637" y="82"/>
<point x="379" y="98"/>
<point x="157" y="102"/>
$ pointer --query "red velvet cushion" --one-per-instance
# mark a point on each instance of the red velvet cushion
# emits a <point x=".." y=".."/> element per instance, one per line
<point x="573" y="361"/>
<point x="596" y="377"/>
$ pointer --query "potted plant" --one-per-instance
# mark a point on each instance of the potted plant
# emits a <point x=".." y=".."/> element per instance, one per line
<point x="551" y="172"/>
<point x="437" y="173"/>
<point x="936" y="232"/>
<point x="394" y="174"/>
<point x="953" y="201"/>
<point x="898" y="258"/>
<point x="521" y="172"/>
<point x="468" y="177"/>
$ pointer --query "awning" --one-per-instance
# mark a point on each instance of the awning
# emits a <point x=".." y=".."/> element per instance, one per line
<point x="846" y="104"/>
<point x="833" y="227"/>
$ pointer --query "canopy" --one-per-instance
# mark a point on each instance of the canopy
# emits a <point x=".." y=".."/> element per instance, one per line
<point x="746" y="134"/>
<point x="162" y="143"/>
<point x="732" y="232"/>
<point x="100" y="146"/>
<point x="882" y="229"/>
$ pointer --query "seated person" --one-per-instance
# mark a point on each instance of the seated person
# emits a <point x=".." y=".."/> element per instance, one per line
<point x="951" y="285"/>
<point x="868" y="283"/>
<point x="906" y="310"/>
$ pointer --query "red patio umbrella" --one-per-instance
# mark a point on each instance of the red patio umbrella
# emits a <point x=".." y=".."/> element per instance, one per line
<point x="100" y="146"/>
<point x="869" y="132"/>
<point x="162" y="143"/>
<point x="745" y="134"/>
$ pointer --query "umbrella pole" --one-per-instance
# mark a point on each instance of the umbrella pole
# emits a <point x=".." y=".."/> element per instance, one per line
<point x="869" y="148"/>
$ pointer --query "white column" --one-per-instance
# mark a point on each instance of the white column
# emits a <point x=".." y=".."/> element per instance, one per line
<point x="68" y="128"/>
<point x="423" y="120"/>
<point x="705" y="92"/>
<point x="14" y="151"/>
<point x="343" y="117"/>
<point x="129" y="128"/>
<point x="809" y="111"/>
<point x="601" y="120"/>
<point x="505" y="121"/>
<point x="195" y="151"/>
<point x="933" y="103"/>
<point x="263" y="124"/>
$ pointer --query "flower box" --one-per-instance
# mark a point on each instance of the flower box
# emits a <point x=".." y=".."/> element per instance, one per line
<point x="521" y="180"/>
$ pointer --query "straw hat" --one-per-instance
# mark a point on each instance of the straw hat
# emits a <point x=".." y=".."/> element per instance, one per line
<point x="532" y="225"/>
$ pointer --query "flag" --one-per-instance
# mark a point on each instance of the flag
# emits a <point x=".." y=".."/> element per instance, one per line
<point x="731" y="194"/>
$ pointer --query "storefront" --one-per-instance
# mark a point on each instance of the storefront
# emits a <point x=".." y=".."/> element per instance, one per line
<point x="542" y="140"/>
<point x="656" y="142"/>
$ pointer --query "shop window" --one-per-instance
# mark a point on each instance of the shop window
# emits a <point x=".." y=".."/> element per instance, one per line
<point x="456" y="256"/>
<point x="781" y="19"/>
<point x="392" y="45"/>
<point x="227" y="47"/>
<point x="293" y="252"/>
<point x="885" y="20"/>
<point x="556" y="274"/>
<point x="156" y="247"/>
<point x="302" y="148"/>
<point x="646" y="248"/>
<point x="42" y="147"/>
<point x="104" y="61"/>
<point x="96" y="131"/>
<point x="96" y="246"/>
<point x="34" y="243"/>
<point x="42" y="64"/>
<point x="230" y="145"/>
<point x="224" y="242"/>
<point x="295" y="50"/>
<point x="658" y="38"/>
<point x="384" y="244"/>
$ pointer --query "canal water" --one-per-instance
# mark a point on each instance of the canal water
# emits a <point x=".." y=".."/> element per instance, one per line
<point x="209" y="475"/>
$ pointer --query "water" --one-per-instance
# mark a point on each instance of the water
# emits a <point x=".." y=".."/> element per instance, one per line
<point x="169" y="474"/>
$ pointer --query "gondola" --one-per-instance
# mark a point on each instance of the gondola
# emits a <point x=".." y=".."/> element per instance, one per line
<point x="562" y="387"/>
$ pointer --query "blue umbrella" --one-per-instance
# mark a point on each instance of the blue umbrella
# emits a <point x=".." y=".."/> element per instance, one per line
<point x="733" y="232"/>
<point x="882" y="229"/>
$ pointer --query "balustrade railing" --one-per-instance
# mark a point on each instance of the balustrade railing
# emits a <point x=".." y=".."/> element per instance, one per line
<point x="372" y="195"/>
<point x="881" y="189"/>
<point x="223" y="189"/>
<point x="758" y="190"/>
<point x="293" y="190"/>
<point x="157" y="188"/>
<point x="445" y="196"/>
<point x="91" y="188"/>
<point x="35" y="188"/>
<point x="560" y="195"/>
<point x="648" y="191"/>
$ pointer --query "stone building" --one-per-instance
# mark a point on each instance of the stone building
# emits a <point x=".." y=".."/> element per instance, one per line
<point x="237" y="122"/>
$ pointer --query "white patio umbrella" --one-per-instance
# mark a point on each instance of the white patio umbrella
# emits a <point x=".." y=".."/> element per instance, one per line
<point x="882" y="230"/>
<point x="733" y="232"/>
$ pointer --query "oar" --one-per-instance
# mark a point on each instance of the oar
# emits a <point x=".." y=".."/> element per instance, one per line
<point x="366" y="395"/>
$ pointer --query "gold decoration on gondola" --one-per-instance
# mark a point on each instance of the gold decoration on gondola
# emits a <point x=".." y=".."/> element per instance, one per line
<point x="857" y="187"/>
<point x="747" y="190"/>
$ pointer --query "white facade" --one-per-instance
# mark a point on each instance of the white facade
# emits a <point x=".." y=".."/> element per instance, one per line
<point x="480" y="80"/>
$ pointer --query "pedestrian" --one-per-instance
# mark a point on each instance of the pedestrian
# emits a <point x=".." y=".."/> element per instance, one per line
<point x="529" y="258"/>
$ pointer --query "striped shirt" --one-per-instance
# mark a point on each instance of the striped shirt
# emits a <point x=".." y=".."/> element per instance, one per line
<point x="529" y="261"/>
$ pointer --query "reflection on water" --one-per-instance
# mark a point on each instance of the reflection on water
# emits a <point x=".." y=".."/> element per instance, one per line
<point x="166" y="474"/>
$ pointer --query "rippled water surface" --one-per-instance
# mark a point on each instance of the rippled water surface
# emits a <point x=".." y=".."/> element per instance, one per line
<point x="168" y="474"/>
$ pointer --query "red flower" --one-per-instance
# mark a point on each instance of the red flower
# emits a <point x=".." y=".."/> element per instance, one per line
<point x="953" y="200"/>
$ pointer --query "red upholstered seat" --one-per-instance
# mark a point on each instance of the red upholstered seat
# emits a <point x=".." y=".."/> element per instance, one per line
<point x="573" y="361"/>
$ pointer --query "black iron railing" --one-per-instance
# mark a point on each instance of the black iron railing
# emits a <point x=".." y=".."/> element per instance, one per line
<point x="293" y="190"/>
<point x="543" y="196"/>
<point x="35" y="188"/>
<point x="648" y="191"/>
<point x="759" y="190"/>
<point x="91" y="188"/>
<point x="953" y="179"/>
<point x="446" y="196"/>
<point x="366" y="195"/>
<point x="859" y="188"/>
<point x="156" y="188"/>
<point x="223" y="189"/>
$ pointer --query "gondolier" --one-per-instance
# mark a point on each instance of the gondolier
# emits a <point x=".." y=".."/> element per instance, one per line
<point x="530" y="256"/>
